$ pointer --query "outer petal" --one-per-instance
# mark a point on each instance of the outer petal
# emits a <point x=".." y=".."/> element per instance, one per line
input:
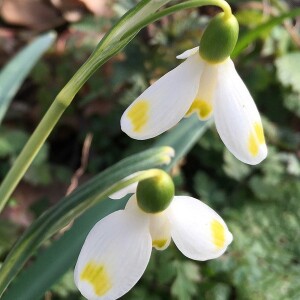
<point x="237" y="118"/>
<point x="197" y="230"/>
<point x="165" y="102"/>
<point x="114" y="256"/>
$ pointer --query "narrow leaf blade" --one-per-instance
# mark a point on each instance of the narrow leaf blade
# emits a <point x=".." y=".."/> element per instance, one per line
<point x="253" y="34"/>
<point x="14" y="73"/>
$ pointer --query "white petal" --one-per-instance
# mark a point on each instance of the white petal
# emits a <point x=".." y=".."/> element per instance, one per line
<point x="165" y="102"/>
<point x="188" y="53"/>
<point x="132" y="206"/>
<point x="130" y="189"/>
<point x="197" y="230"/>
<point x="203" y="103"/>
<point x="114" y="256"/>
<point x="237" y="118"/>
<point x="160" y="231"/>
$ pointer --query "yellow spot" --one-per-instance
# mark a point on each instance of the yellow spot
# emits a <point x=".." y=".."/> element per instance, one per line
<point x="139" y="115"/>
<point x="256" y="138"/>
<point x="96" y="275"/>
<point x="218" y="234"/>
<point x="201" y="107"/>
<point x="259" y="133"/>
<point x="159" y="243"/>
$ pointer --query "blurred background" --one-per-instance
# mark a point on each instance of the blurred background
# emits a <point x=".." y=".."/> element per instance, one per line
<point x="261" y="204"/>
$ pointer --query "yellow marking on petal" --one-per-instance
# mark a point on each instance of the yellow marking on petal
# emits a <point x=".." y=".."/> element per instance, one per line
<point x="259" y="133"/>
<point x="159" y="243"/>
<point x="97" y="276"/>
<point x="139" y="115"/>
<point x="201" y="107"/>
<point x="218" y="234"/>
<point x="256" y="138"/>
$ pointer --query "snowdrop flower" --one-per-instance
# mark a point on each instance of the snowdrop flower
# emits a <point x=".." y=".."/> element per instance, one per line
<point x="118" y="248"/>
<point x="207" y="84"/>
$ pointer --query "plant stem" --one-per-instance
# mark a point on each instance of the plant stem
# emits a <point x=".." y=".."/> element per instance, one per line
<point x="177" y="7"/>
<point x="37" y="139"/>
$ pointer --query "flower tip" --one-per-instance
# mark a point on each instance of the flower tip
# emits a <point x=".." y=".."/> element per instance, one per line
<point x="126" y="127"/>
<point x="169" y="153"/>
<point x="263" y="153"/>
<point x="188" y="53"/>
<point x="229" y="238"/>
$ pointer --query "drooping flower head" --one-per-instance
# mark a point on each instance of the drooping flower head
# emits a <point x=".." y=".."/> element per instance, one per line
<point x="118" y="248"/>
<point x="207" y="84"/>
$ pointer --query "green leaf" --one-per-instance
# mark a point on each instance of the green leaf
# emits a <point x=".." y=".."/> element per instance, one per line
<point x="15" y="72"/>
<point x="181" y="138"/>
<point x="11" y="141"/>
<point x="8" y="235"/>
<point x="235" y="168"/>
<point x="292" y="102"/>
<point x="187" y="279"/>
<point x="208" y="190"/>
<point x="263" y="260"/>
<point x="254" y="33"/>
<point x="65" y="286"/>
<point x="288" y="67"/>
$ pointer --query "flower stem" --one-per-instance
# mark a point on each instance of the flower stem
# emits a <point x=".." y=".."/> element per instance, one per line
<point x="177" y="7"/>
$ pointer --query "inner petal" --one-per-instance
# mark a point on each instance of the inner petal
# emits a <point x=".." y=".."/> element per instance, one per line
<point x="160" y="231"/>
<point x="202" y="104"/>
<point x="202" y="108"/>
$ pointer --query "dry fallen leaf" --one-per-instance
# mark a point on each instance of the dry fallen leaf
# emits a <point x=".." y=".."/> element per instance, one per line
<point x="35" y="14"/>
<point x="72" y="10"/>
<point x="99" y="8"/>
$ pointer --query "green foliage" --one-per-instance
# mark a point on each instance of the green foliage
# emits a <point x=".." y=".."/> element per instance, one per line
<point x="15" y="72"/>
<point x="186" y="280"/>
<point x="8" y="235"/>
<point x="66" y="286"/>
<point x="288" y="67"/>
<point x="288" y="70"/>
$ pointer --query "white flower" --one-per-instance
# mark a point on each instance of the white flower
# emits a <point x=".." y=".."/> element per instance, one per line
<point x="204" y="88"/>
<point x="118" y="248"/>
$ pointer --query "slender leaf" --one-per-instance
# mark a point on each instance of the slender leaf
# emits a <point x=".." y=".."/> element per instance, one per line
<point x="253" y="34"/>
<point x="15" y="72"/>
<point x="181" y="138"/>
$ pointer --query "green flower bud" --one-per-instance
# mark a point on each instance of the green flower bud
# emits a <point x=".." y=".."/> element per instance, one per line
<point x="156" y="193"/>
<point x="219" y="38"/>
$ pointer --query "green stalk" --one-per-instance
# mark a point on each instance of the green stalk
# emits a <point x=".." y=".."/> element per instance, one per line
<point x="177" y="7"/>
<point x="111" y="44"/>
